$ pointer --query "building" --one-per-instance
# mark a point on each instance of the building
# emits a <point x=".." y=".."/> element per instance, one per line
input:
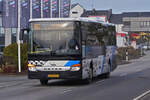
<point x="16" y="13"/>
<point x="104" y="15"/>
<point x="133" y="24"/>
<point x="2" y="33"/>
<point x="76" y="11"/>
<point x="136" y="22"/>
<point x="121" y="35"/>
<point x="127" y="23"/>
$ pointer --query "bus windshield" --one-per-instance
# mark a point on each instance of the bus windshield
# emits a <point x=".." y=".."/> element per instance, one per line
<point x="57" y="38"/>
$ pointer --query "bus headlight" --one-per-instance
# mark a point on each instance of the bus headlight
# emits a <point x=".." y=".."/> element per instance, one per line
<point x="75" y="67"/>
<point x="31" y="67"/>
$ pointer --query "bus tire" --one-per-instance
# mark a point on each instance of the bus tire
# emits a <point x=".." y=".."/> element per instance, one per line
<point x="43" y="82"/>
<point x="106" y="75"/>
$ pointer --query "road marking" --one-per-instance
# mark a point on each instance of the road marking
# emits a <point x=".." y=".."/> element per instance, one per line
<point x="11" y="83"/>
<point x="67" y="91"/>
<point x="100" y="81"/>
<point x="142" y="95"/>
<point x="123" y="74"/>
<point x="138" y="70"/>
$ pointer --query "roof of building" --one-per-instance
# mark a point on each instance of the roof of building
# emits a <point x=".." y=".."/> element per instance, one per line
<point x="74" y="5"/>
<point x="116" y="19"/>
<point x="95" y="12"/>
<point x="136" y="14"/>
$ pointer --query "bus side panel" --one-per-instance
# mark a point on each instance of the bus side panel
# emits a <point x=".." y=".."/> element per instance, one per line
<point x="103" y="64"/>
<point x="112" y="57"/>
<point x="85" y="68"/>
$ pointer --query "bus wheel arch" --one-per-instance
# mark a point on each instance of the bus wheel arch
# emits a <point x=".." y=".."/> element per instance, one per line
<point x="44" y="81"/>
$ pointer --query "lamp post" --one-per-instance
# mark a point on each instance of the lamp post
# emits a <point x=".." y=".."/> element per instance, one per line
<point x="18" y="37"/>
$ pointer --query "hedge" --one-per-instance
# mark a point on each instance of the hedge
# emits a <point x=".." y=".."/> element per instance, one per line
<point x="132" y="53"/>
<point x="11" y="55"/>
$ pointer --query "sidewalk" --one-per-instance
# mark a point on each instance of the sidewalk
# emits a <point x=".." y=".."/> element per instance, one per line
<point x="11" y="77"/>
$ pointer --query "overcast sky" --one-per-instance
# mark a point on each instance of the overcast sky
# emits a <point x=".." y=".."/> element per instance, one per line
<point x="117" y="6"/>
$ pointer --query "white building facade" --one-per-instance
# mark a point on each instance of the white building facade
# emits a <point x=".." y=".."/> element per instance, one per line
<point x="121" y="36"/>
<point x="76" y="11"/>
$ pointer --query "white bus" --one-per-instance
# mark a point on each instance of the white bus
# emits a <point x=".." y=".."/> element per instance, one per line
<point x="70" y="48"/>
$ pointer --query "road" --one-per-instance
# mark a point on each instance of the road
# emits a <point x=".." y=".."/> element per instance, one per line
<point x="127" y="82"/>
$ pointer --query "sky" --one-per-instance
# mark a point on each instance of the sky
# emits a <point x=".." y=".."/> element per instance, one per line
<point x="118" y="6"/>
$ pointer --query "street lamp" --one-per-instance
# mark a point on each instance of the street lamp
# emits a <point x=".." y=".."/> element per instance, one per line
<point x="18" y="37"/>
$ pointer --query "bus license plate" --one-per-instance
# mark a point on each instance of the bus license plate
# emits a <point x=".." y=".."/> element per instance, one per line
<point x="53" y="75"/>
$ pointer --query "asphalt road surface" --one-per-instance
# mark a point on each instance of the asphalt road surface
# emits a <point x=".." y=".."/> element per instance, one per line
<point x="127" y="82"/>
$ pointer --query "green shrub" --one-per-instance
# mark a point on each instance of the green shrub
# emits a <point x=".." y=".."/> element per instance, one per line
<point x="132" y="53"/>
<point x="11" y="55"/>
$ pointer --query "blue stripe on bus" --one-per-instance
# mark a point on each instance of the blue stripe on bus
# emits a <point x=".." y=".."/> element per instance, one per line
<point x="102" y="69"/>
<point x="72" y="62"/>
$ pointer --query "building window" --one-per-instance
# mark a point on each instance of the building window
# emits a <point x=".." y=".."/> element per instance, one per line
<point x="2" y="31"/>
<point x="127" y="23"/>
<point x="14" y="35"/>
<point x="148" y="23"/>
<point x="0" y="21"/>
<point x="2" y="39"/>
<point x="145" y="24"/>
<point x="141" y="24"/>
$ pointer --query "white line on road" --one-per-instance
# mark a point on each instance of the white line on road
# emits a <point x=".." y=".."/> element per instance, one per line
<point x="67" y="90"/>
<point x="142" y="95"/>
<point x="123" y="74"/>
<point x="138" y="70"/>
<point x="100" y="81"/>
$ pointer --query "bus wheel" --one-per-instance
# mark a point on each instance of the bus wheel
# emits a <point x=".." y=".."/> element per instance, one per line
<point x="107" y="75"/>
<point x="43" y="82"/>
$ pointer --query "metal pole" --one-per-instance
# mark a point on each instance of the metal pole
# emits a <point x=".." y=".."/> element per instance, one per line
<point x="127" y="58"/>
<point x="41" y="8"/>
<point x="141" y="46"/>
<point x="30" y="9"/>
<point x="59" y="7"/>
<point x="18" y="37"/>
<point x="70" y="8"/>
<point x="51" y="9"/>
<point x="127" y="54"/>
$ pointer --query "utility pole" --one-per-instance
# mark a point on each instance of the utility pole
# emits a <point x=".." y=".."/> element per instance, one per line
<point x="18" y="36"/>
<point x="30" y="9"/>
<point x="59" y="8"/>
<point x="41" y="8"/>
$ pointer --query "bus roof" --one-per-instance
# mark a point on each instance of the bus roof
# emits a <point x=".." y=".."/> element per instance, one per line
<point x="83" y="19"/>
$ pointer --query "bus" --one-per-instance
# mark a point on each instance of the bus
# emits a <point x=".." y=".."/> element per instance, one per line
<point x="70" y="48"/>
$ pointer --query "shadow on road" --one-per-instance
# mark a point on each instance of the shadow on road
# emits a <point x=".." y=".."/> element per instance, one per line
<point x="72" y="82"/>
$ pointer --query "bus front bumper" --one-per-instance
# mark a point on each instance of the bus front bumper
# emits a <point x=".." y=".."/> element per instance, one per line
<point x="55" y="75"/>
